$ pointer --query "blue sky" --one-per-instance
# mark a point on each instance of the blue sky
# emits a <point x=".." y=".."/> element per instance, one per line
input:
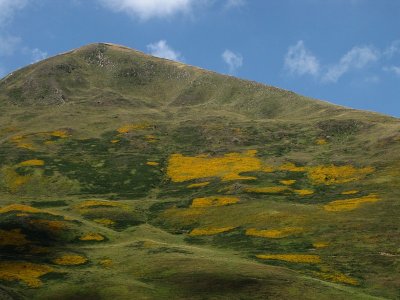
<point x="344" y="51"/>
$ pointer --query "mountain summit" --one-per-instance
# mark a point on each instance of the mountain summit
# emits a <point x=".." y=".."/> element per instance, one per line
<point x="144" y="178"/>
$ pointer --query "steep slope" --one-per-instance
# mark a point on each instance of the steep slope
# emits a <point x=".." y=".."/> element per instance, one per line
<point x="142" y="177"/>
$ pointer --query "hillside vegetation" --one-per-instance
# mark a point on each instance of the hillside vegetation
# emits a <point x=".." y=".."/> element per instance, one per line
<point x="125" y="176"/>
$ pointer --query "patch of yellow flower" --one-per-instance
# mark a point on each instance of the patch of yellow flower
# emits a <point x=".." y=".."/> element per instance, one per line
<point x="22" y="208"/>
<point x="115" y="141"/>
<point x="209" y="231"/>
<point x="304" y="192"/>
<point x="321" y="142"/>
<point x="92" y="237"/>
<point x="152" y="163"/>
<point x="267" y="190"/>
<point x="60" y="133"/>
<point x="22" y="142"/>
<point x="331" y="275"/>
<point x="295" y="258"/>
<point x="52" y="225"/>
<point x="228" y="167"/>
<point x="351" y="204"/>
<point x="70" y="260"/>
<point x="32" y="163"/>
<point x="151" y="138"/>
<point x="274" y="233"/>
<point x="132" y="127"/>
<point x="352" y="192"/>
<point x="95" y="203"/>
<point x="106" y="222"/>
<point x="12" y="237"/>
<point x="291" y="167"/>
<point x="320" y="245"/>
<point x="213" y="201"/>
<point x="106" y="262"/>
<point x="337" y="174"/>
<point x="26" y="272"/>
<point x="288" y="182"/>
<point x="196" y="185"/>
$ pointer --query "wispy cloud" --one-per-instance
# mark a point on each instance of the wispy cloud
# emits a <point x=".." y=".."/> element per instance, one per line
<point x="300" y="61"/>
<point x="356" y="58"/>
<point x="235" y="3"/>
<point x="8" y="8"/>
<point x="163" y="50"/>
<point x="8" y="45"/>
<point x="394" y="69"/>
<point x="233" y="60"/>
<point x="38" y="55"/>
<point x="393" y="49"/>
<point x="147" y="9"/>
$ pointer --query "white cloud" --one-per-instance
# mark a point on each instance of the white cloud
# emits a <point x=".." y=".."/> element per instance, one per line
<point x="393" y="49"/>
<point x="8" y="45"/>
<point x="234" y="3"/>
<point x="233" y="60"/>
<point x="8" y="8"/>
<point x="163" y="50"/>
<point x="300" y="61"/>
<point x="38" y="55"/>
<point x="147" y="9"/>
<point x="393" y="69"/>
<point x="356" y="58"/>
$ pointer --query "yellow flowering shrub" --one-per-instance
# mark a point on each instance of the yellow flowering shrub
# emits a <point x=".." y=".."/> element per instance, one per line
<point x="26" y="272"/>
<point x="51" y="225"/>
<point x="291" y="167"/>
<point x="152" y="163"/>
<point x="22" y="142"/>
<point x="338" y="277"/>
<point x="95" y="203"/>
<point x="196" y="185"/>
<point x="267" y="190"/>
<point x="132" y="127"/>
<point x="70" y="260"/>
<point x="351" y="204"/>
<point x="304" y="192"/>
<point x="105" y="222"/>
<point x="60" y="133"/>
<point x="214" y="201"/>
<point x="209" y="231"/>
<point x="12" y="237"/>
<point x="115" y="141"/>
<point x="274" y="233"/>
<point x="228" y="167"/>
<point x="106" y="263"/>
<point x="288" y="181"/>
<point x="32" y="163"/>
<point x="337" y="174"/>
<point x="295" y="258"/>
<point x="352" y="192"/>
<point x="320" y="245"/>
<point x="321" y="142"/>
<point x="92" y="237"/>
<point x="22" y="208"/>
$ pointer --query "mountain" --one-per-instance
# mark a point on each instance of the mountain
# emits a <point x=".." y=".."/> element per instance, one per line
<point x="128" y="176"/>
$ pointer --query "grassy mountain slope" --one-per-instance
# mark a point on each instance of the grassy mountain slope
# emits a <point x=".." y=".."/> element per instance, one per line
<point x="128" y="176"/>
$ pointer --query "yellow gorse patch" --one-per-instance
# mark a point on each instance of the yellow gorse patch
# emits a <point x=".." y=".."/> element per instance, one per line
<point x="196" y="185"/>
<point x="329" y="175"/>
<point x="60" y="133"/>
<point x="228" y="167"/>
<point x="51" y="225"/>
<point x="267" y="190"/>
<point x="214" y="201"/>
<point x="296" y="258"/>
<point x="304" y="192"/>
<point x="22" y="208"/>
<point x="106" y="222"/>
<point x="26" y="272"/>
<point x="70" y="260"/>
<point x="321" y="142"/>
<point x="92" y="237"/>
<point x="274" y="233"/>
<point x="351" y="204"/>
<point x="352" y="192"/>
<point x="32" y="163"/>
<point x="152" y="163"/>
<point x="291" y="167"/>
<point x="320" y="245"/>
<point x="209" y="231"/>
<point x="288" y="181"/>
<point x="12" y="237"/>
<point x="94" y="203"/>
